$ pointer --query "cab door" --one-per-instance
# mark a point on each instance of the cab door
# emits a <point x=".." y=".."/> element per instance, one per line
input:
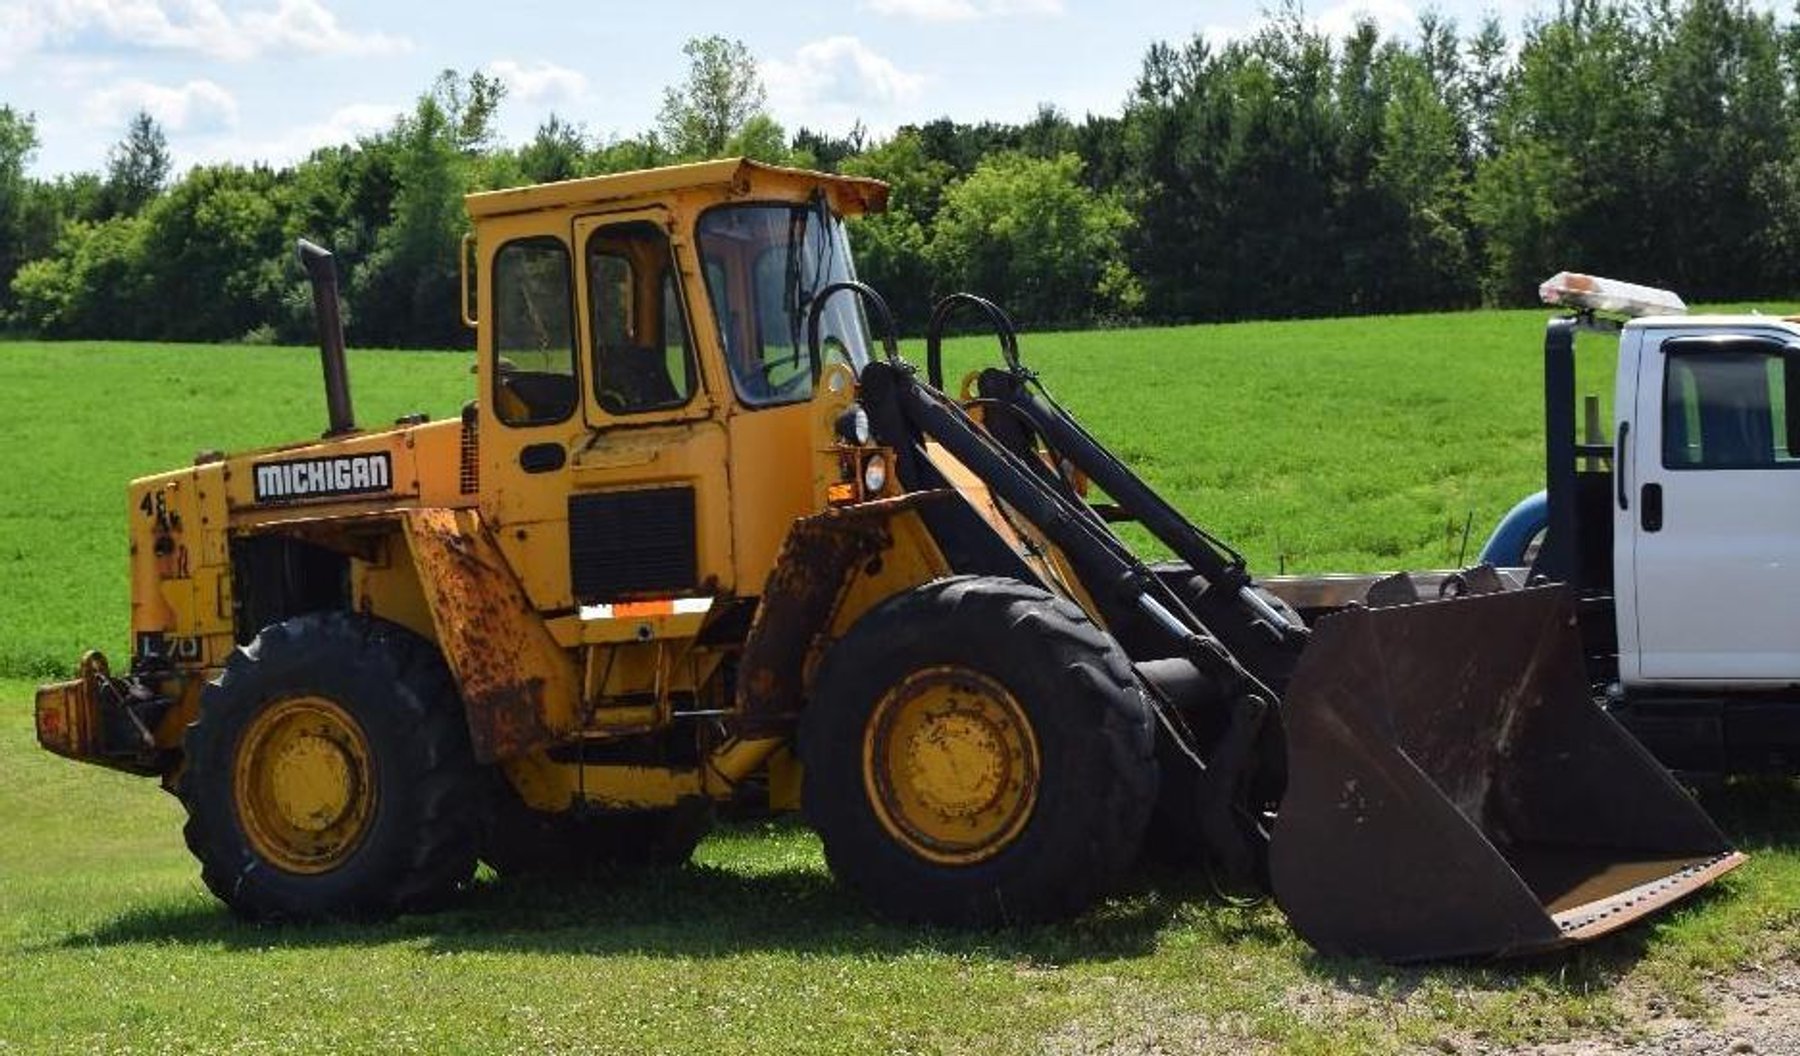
<point x="649" y="504"/>
<point x="630" y="501"/>
<point x="1711" y="503"/>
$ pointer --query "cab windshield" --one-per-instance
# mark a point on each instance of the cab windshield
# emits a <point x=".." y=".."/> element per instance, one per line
<point x="764" y="264"/>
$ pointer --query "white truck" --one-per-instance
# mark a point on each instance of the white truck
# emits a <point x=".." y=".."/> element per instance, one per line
<point x="1681" y="536"/>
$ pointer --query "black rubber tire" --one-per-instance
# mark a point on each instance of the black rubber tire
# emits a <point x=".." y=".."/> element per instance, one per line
<point x="518" y="841"/>
<point x="419" y="849"/>
<point x="1075" y="686"/>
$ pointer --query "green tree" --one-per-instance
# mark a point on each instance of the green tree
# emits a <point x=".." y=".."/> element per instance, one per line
<point x="761" y="139"/>
<point x="137" y="166"/>
<point x="1485" y="76"/>
<point x="1571" y="168"/>
<point x="720" y="95"/>
<point x="405" y="292"/>
<point x="891" y="246"/>
<point x="627" y="155"/>
<point x="18" y="142"/>
<point x="216" y="254"/>
<point x="95" y="283"/>
<point x="1717" y="94"/>
<point x="558" y="151"/>
<point x="1420" y="168"/>
<point x="826" y="152"/>
<point x="1027" y="233"/>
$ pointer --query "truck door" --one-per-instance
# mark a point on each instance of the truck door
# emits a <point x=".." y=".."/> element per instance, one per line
<point x="1711" y="506"/>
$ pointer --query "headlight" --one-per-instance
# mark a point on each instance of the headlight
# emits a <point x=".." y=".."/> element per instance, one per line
<point x="853" y="426"/>
<point x="874" y="475"/>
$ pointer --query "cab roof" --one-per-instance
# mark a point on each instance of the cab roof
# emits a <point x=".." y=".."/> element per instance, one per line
<point x="733" y="177"/>
<point x="1717" y="321"/>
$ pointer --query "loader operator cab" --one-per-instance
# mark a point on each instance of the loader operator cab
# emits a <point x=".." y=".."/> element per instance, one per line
<point x="638" y="334"/>
<point x="762" y="265"/>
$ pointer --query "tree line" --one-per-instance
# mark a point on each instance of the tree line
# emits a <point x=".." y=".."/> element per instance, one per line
<point x="1282" y="174"/>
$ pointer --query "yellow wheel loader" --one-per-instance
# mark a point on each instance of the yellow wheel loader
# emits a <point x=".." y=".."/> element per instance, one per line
<point x="700" y="537"/>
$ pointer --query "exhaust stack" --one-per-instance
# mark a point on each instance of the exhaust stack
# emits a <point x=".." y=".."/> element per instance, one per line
<point x="323" y="273"/>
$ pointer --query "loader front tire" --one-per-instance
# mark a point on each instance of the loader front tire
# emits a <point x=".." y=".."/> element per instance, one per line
<point x="329" y="774"/>
<point x="977" y="752"/>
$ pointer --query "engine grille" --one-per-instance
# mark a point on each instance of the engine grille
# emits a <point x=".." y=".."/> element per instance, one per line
<point x="469" y="472"/>
<point x="631" y="543"/>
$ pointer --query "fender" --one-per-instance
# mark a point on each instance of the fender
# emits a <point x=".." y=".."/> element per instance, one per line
<point x="1506" y="547"/>
<point x="521" y="689"/>
<point x="832" y="568"/>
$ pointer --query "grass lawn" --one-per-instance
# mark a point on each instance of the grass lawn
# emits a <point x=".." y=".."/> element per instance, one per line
<point x="1320" y="445"/>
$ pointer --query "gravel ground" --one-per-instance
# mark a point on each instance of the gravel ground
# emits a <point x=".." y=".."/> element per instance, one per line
<point x="1756" y="1012"/>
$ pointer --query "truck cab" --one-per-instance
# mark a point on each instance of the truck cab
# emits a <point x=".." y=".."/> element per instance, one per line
<point x="1681" y="534"/>
<point x="1707" y="508"/>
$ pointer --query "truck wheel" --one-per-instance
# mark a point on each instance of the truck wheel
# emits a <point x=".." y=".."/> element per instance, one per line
<point x="977" y="752"/>
<point x="519" y="841"/>
<point x="329" y="774"/>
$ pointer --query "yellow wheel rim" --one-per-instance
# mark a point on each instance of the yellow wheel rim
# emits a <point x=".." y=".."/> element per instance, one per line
<point x="304" y="788"/>
<point x="951" y="765"/>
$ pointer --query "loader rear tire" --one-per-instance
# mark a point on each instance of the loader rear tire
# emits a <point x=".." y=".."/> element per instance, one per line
<point x="977" y="752"/>
<point x="329" y="774"/>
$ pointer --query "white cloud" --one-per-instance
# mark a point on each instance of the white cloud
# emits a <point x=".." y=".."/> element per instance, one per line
<point x="197" y="106"/>
<point x="1394" y="18"/>
<point x="834" y="83"/>
<point x="962" y="10"/>
<point x="201" y="27"/>
<point x="1009" y="8"/>
<point x="344" y="125"/>
<point x="541" y="82"/>
<point x="926" y="10"/>
<point x="839" y="74"/>
<point x="311" y="27"/>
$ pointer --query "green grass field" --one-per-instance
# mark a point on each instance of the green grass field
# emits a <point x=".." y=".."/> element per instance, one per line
<point x="1329" y="445"/>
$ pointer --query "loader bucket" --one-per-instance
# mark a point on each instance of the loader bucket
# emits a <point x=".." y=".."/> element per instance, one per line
<point x="1453" y="790"/>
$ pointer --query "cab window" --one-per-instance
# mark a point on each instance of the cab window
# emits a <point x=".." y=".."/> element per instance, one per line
<point x="534" y="343"/>
<point x="764" y="263"/>
<point x="1730" y="410"/>
<point x="642" y="357"/>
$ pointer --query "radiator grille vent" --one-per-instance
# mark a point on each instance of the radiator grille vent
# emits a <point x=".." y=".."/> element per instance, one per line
<point x="469" y="475"/>
<point x="626" y="543"/>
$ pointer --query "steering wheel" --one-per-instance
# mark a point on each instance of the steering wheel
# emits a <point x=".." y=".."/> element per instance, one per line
<point x="774" y="389"/>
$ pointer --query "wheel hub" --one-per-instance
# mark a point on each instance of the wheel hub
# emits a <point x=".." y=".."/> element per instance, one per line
<point x="951" y="765"/>
<point x="303" y="784"/>
<point x="956" y="763"/>
<point x="312" y="782"/>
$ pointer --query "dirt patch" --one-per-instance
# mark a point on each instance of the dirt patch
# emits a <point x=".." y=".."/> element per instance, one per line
<point x="1756" y="1012"/>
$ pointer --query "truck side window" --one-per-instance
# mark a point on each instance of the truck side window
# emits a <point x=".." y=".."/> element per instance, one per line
<point x="1727" y="410"/>
<point x="534" y="339"/>
<point x="642" y="358"/>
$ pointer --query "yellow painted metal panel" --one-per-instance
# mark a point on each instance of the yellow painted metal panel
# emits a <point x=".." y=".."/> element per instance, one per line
<point x="850" y="195"/>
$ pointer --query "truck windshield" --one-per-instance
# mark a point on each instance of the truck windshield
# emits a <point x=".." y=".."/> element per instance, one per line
<point x="764" y="264"/>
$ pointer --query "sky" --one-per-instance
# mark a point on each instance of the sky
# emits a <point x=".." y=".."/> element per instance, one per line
<point x="270" y="80"/>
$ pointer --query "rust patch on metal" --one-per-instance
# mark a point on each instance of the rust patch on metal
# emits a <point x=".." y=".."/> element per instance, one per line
<point x="96" y="718"/>
<point x="811" y="573"/>
<point x="518" y="685"/>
